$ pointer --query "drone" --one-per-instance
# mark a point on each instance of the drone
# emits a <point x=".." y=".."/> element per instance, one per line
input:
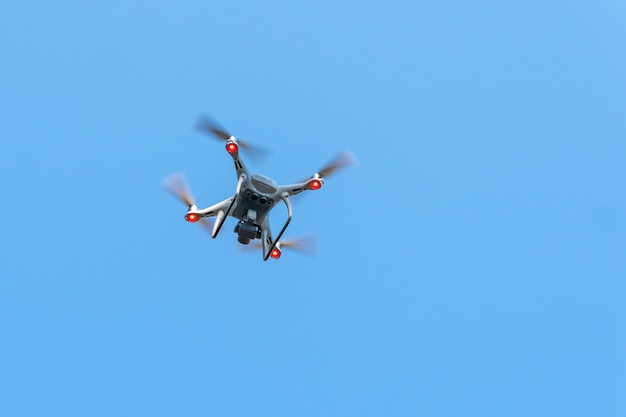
<point x="255" y="196"/>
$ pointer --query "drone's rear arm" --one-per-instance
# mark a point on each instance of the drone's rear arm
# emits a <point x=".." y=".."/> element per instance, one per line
<point x="232" y="147"/>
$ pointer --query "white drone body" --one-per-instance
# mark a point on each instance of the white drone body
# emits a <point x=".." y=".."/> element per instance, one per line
<point x="255" y="196"/>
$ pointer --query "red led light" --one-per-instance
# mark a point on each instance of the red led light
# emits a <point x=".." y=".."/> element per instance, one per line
<point x="232" y="148"/>
<point x="275" y="254"/>
<point x="315" y="185"/>
<point x="192" y="217"/>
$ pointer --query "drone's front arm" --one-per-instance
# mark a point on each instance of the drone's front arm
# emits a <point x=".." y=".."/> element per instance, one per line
<point x="193" y="215"/>
<point x="214" y="209"/>
<point x="314" y="183"/>
<point x="220" y="210"/>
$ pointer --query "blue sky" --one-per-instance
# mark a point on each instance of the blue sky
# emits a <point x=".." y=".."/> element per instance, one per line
<point x="471" y="264"/>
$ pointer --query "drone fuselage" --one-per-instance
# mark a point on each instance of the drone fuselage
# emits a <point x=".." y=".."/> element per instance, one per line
<point x="257" y="196"/>
<point x="255" y="200"/>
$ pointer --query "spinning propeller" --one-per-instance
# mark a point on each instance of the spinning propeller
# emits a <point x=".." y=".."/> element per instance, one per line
<point x="305" y="245"/>
<point x="344" y="159"/>
<point x="207" y="125"/>
<point x="302" y="245"/>
<point x="177" y="185"/>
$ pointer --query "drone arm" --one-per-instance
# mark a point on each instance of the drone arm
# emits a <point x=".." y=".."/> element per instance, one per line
<point x="313" y="183"/>
<point x="232" y="147"/>
<point x="214" y="209"/>
<point x="266" y="253"/>
<point x="221" y="214"/>
<point x="240" y="167"/>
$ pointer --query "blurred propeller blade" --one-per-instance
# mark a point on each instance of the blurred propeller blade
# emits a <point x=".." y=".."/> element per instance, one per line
<point x="305" y="245"/>
<point x="208" y="125"/>
<point x="344" y="159"/>
<point x="251" y="149"/>
<point x="207" y="224"/>
<point x="177" y="185"/>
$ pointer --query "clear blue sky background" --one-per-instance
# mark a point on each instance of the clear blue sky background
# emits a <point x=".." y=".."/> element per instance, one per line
<point x="471" y="264"/>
